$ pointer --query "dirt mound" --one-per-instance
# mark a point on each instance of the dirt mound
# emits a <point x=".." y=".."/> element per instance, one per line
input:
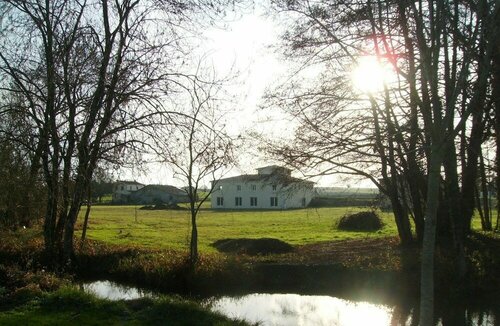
<point x="163" y="206"/>
<point x="263" y="246"/>
<point x="362" y="221"/>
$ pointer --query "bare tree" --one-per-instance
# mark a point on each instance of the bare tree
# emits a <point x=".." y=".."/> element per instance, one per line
<point x="403" y="136"/>
<point x="197" y="148"/>
<point x="21" y="194"/>
<point x="91" y="75"/>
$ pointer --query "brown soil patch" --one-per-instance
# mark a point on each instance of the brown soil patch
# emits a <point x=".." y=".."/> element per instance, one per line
<point x="379" y="253"/>
<point x="262" y="246"/>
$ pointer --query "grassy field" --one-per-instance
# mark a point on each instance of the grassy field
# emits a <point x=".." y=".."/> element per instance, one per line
<point x="128" y="225"/>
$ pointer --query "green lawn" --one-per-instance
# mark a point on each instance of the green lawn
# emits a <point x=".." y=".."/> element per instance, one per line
<point x="127" y="225"/>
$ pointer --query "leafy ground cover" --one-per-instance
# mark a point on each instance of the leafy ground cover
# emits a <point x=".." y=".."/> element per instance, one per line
<point x="70" y="306"/>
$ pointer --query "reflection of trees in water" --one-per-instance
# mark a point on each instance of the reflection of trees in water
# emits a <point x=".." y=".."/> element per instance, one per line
<point x="473" y="313"/>
<point x="457" y="317"/>
<point x="285" y="309"/>
<point x="405" y="314"/>
<point x="448" y="313"/>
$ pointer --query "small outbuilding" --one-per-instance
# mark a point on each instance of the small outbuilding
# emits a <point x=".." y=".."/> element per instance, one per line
<point x="123" y="189"/>
<point x="158" y="194"/>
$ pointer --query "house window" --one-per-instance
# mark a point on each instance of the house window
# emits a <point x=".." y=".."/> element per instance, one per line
<point x="253" y="187"/>
<point x="220" y="201"/>
<point x="274" y="201"/>
<point x="220" y="187"/>
<point x="238" y="187"/>
<point x="303" y="202"/>
<point x="253" y="201"/>
<point x="274" y="187"/>
<point x="237" y="201"/>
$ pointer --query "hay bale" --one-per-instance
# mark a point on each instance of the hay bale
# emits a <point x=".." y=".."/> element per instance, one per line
<point x="263" y="246"/>
<point x="362" y="221"/>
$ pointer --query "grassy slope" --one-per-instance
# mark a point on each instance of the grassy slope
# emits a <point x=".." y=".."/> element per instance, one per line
<point x="69" y="306"/>
<point x="126" y="225"/>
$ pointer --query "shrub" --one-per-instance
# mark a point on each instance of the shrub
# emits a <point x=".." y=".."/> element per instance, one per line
<point x="362" y="221"/>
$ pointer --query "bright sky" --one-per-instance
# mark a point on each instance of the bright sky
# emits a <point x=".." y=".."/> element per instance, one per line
<point x="243" y="48"/>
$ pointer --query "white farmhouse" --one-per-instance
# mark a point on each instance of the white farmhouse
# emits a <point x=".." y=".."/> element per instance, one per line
<point x="272" y="187"/>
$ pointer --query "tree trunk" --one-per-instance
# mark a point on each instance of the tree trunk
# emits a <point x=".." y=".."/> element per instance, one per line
<point x="81" y="183"/>
<point x="486" y="220"/>
<point x="479" y="206"/>
<point x="49" y="228"/>
<point x="496" y="107"/>
<point x="402" y="221"/>
<point x="453" y="212"/>
<point x="26" y="215"/>
<point x="415" y="188"/>
<point x="429" y="241"/>
<point x="51" y="211"/>
<point x="470" y="171"/>
<point x="193" y="255"/>
<point x="87" y="213"/>
<point x="69" y="231"/>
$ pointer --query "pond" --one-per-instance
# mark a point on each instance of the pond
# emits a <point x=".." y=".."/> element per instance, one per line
<point x="114" y="291"/>
<point x="296" y="309"/>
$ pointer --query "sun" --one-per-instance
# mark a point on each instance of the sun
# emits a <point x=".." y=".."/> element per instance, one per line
<point x="370" y="75"/>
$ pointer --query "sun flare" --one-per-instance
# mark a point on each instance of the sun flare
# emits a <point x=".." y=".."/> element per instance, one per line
<point x="369" y="75"/>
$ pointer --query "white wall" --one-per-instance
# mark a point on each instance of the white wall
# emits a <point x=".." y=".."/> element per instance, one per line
<point x="289" y="197"/>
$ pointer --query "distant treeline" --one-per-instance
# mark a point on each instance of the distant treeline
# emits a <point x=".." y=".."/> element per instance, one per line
<point x="343" y="201"/>
<point x="340" y="197"/>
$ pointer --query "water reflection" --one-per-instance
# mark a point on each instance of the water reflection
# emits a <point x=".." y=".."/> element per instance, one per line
<point x="293" y="309"/>
<point x="113" y="291"/>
